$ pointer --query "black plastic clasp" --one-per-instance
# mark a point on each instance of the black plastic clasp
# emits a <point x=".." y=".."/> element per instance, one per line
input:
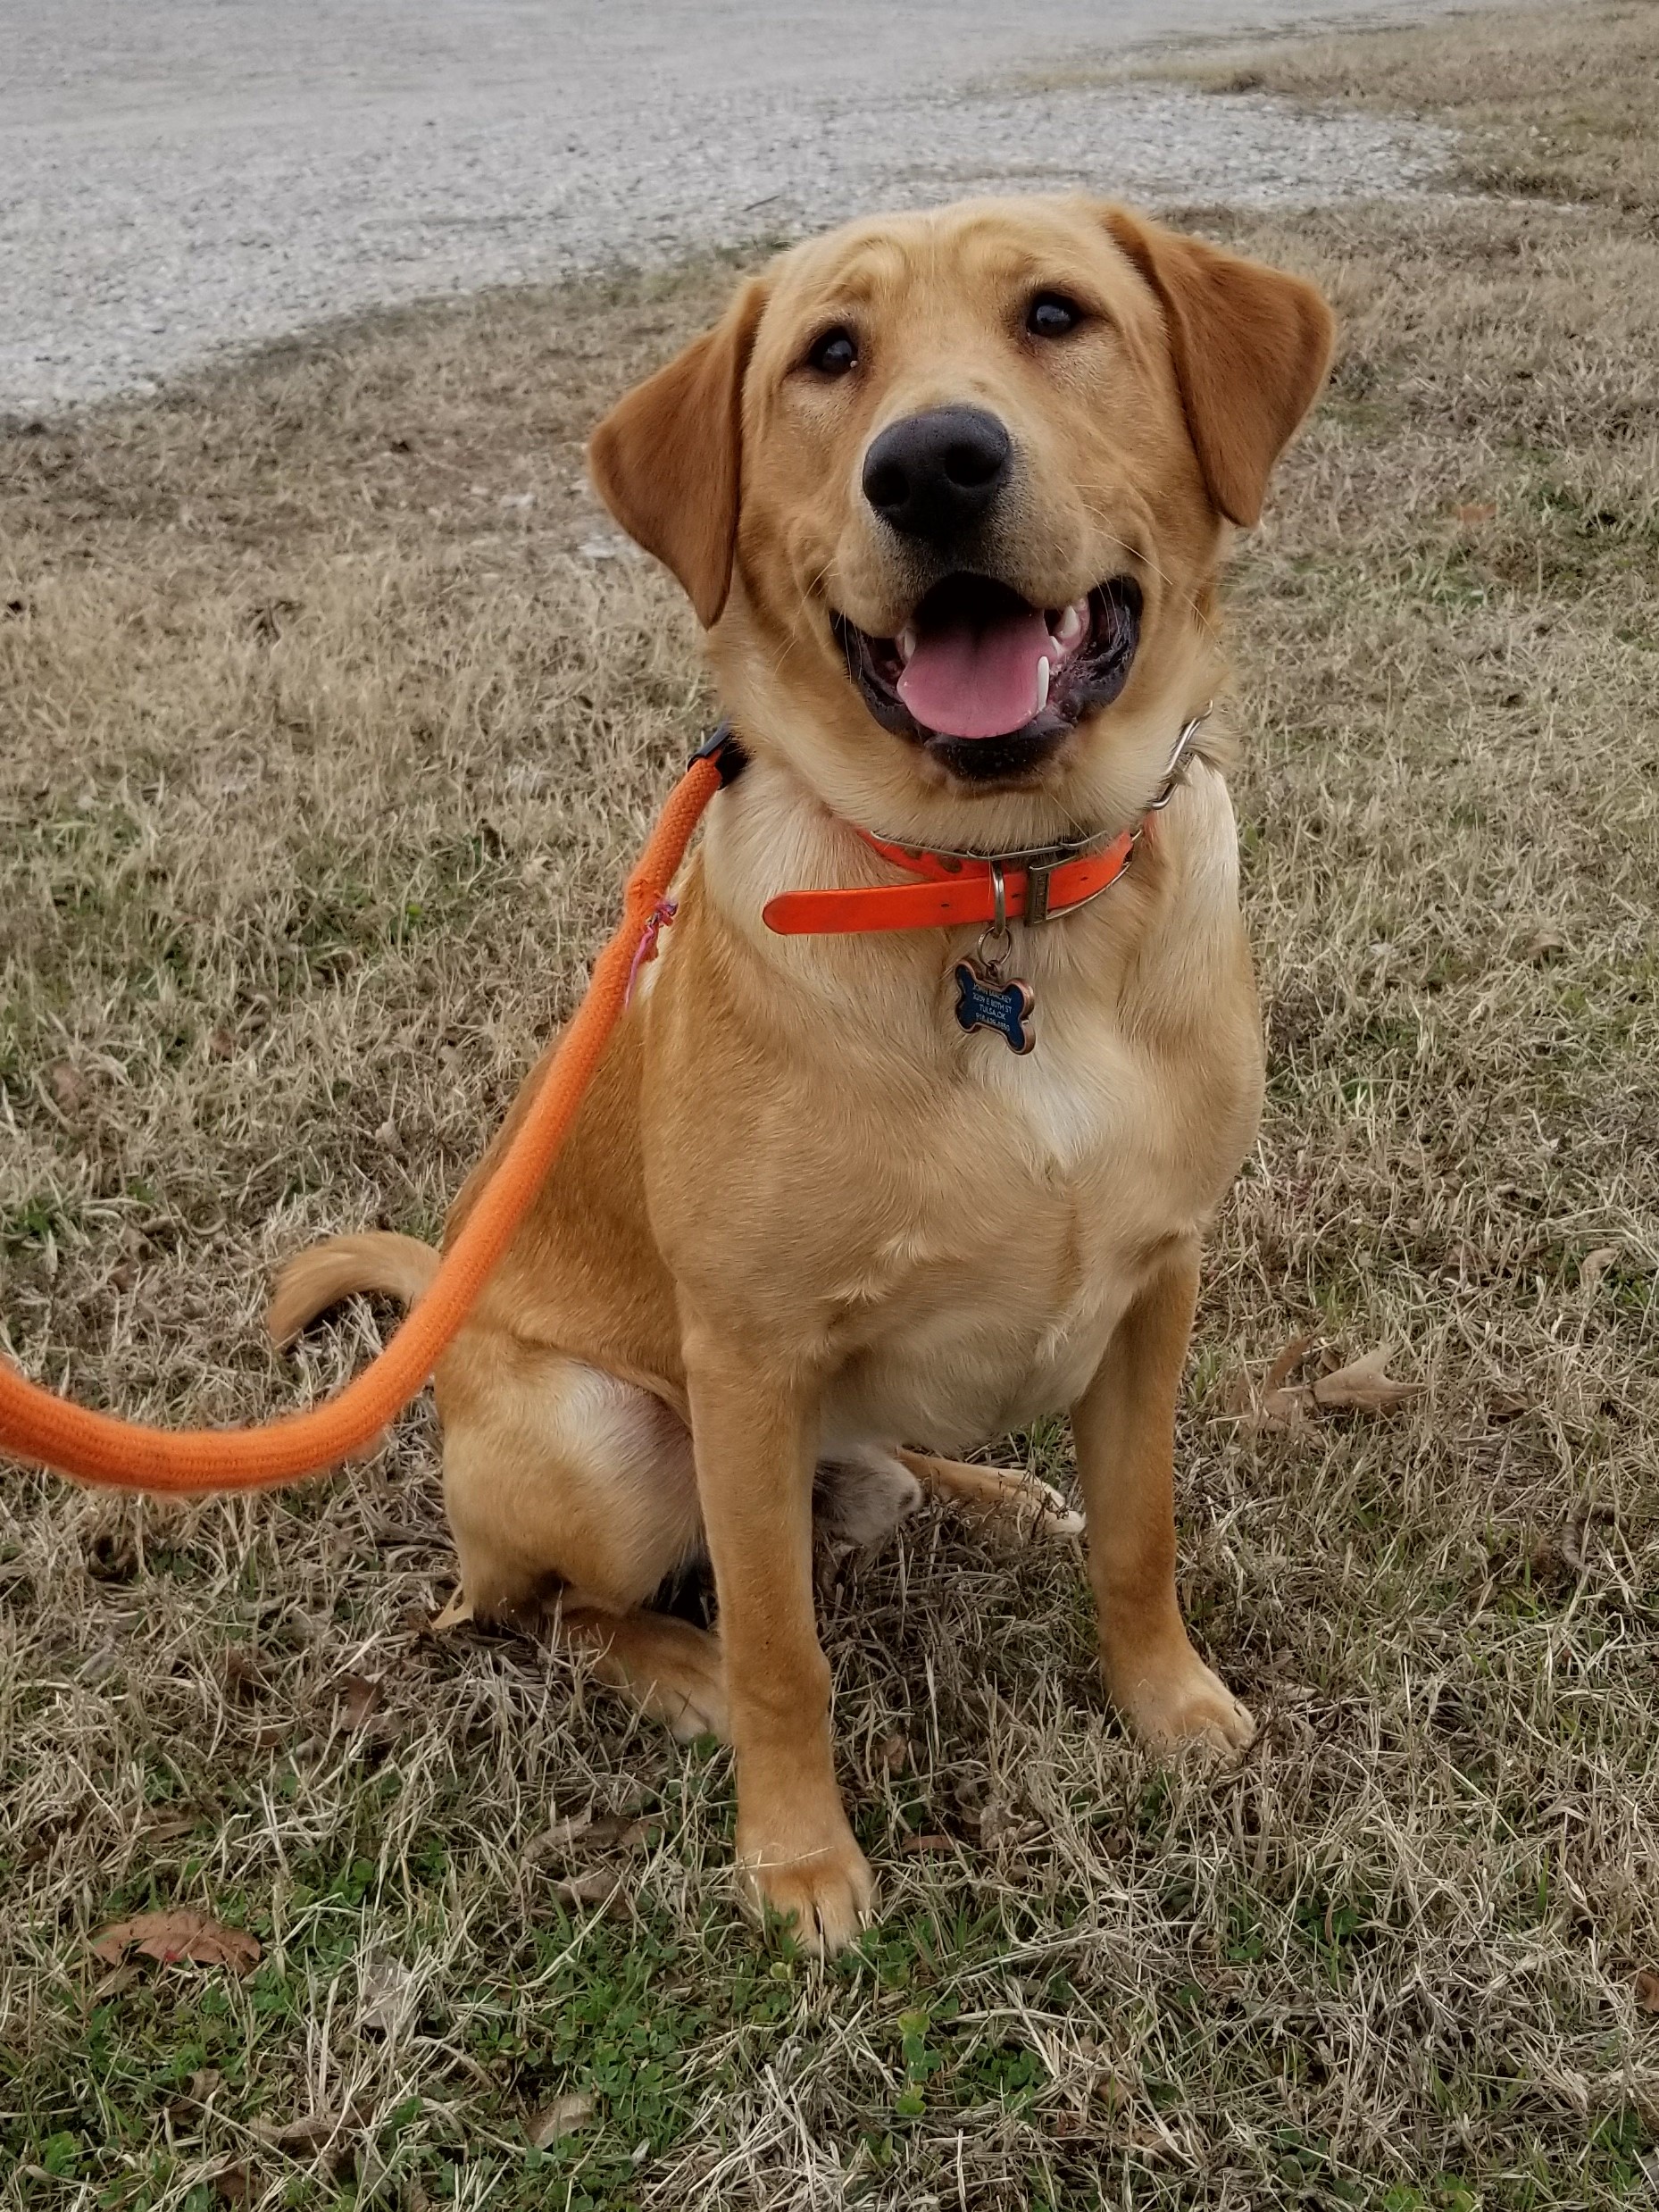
<point x="723" y="749"/>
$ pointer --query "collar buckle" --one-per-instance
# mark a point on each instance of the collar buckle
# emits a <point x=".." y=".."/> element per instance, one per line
<point x="1039" y="867"/>
<point x="1176" y="768"/>
<point x="1038" y="876"/>
<point x="1039" y="871"/>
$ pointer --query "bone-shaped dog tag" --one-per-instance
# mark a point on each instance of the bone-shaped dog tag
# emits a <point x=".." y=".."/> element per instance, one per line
<point x="983" y="1001"/>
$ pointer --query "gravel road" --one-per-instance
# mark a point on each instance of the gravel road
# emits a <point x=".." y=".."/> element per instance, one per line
<point x="179" y="175"/>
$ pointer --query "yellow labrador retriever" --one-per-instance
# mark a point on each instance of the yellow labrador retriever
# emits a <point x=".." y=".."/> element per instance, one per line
<point x="912" y="1134"/>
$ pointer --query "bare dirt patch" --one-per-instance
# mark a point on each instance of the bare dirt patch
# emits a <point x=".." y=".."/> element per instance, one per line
<point x="332" y="711"/>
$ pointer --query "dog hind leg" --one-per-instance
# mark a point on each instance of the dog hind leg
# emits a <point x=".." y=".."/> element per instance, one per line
<point x="860" y="1497"/>
<point x="573" y="1498"/>
<point x="992" y="1493"/>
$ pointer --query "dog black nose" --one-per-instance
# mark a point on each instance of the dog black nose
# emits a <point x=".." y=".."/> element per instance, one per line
<point x="933" y="474"/>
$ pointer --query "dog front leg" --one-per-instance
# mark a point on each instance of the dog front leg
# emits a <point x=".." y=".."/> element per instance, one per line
<point x="755" y="1435"/>
<point x="1124" y="1429"/>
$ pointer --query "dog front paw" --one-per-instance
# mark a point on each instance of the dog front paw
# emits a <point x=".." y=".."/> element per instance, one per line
<point x="1175" y="1703"/>
<point x="824" y="1889"/>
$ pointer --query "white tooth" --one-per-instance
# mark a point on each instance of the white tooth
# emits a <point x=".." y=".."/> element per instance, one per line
<point x="1042" y="687"/>
<point x="1070" y="626"/>
<point x="907" y="642"/>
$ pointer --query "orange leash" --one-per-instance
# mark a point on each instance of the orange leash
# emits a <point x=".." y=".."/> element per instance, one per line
<point x="123" y="1454"/>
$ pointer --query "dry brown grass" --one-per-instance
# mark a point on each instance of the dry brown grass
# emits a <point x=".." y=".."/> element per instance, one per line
<point x="1553" y="101"/>
<point x="321" y="766"/>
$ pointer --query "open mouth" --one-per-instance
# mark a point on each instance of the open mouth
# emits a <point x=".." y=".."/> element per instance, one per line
<point x="988" y="683"/>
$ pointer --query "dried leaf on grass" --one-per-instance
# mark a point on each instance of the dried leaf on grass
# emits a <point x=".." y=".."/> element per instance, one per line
<point x="195" y="2098"/>
<point x="894" y="1753"/>
<point x="1595" y="1264"/>
<point x="1003" y="1826"/>
<point x="624" y="1829"/>
<point x="312" y="2131"/>
<point x="1365" y="1386"/>
<point x="560" y="1836"/>
<point x="1477" y="511"/>
<point x="68" y="1086"/>
<point x="384" y="1991"/>
<point x="454" y="1613"/>
<point x="244" y="1676"/>
<point x="1570" y="1544"/>
<point x="356" y="1697"/>
<point x="1506" y="1405"/>
<point x="1283" y="1409"/>
<point x="1150" y="2144"/>
<point x="563" y="2116"/>
<point x="170" y="1830"/>
<point x="1289" y="1362"/>
<point x="1647" y="1992"/>
<point x="628" y="1833"/>
<point x="589" y="1889"/>
<point x="179" y="1934"/>
<point x="1113" y="2091"/>
<point x="1281" y="1403"/>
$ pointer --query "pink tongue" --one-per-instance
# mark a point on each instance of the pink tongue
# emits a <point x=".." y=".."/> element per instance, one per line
<point x="964" y="682"/>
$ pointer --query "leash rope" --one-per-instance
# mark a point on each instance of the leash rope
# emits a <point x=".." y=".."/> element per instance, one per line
<point x="50" y="1432"/>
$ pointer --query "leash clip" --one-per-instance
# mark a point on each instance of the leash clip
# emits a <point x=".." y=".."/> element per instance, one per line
<point x="722" y="747"/>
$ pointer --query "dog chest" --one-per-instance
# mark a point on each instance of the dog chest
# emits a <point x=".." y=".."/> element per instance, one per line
<point x="990" y="1304"/>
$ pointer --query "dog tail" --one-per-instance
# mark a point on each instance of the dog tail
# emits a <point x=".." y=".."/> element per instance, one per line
<point x="401" y="1268"/>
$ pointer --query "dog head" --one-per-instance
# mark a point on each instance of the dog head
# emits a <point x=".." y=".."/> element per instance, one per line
<point x="949" y="492"/>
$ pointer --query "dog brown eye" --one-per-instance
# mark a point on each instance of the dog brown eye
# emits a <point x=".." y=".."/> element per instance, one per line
<point x="834" y="354"/>
<point x="1052" y="315"/>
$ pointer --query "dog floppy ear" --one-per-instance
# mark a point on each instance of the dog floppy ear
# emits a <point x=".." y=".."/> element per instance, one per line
<point x="1251" y="348"/>
<point x="667" y="458"/>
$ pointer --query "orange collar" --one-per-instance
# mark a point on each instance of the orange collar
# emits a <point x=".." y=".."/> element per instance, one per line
<point x="956" y="886"/>
<point x="1029" y="887"/>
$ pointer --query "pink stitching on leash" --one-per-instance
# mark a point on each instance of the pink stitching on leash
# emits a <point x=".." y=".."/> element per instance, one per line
<point x="656" y="922"/>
